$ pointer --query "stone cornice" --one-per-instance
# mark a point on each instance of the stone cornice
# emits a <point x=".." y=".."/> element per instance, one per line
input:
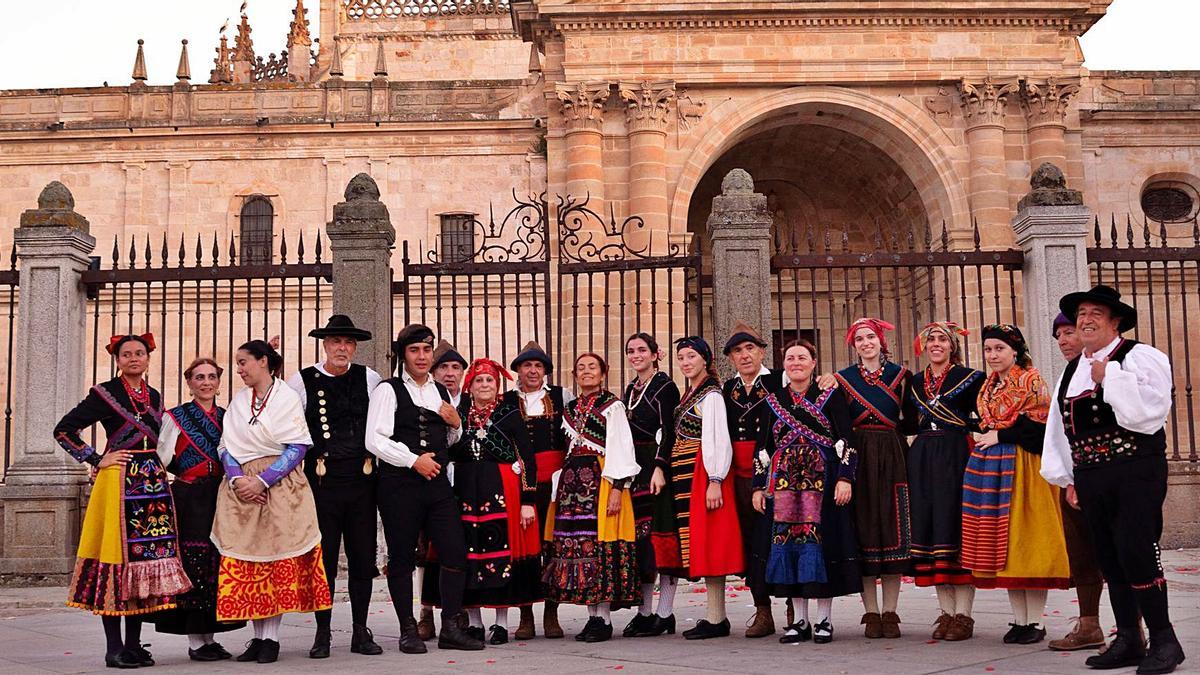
<point x="648" y="105"/>
<point x="985" y="103"/>
<point x="583" y="103"/>
<point x="850" y="21"/>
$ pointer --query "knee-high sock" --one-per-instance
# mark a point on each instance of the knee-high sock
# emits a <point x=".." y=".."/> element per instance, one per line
<point x="1035" y="605"/>
<point x="133" y="632"/>
<point x="360" y="599"/>
<point x="257" y="625"/>
<point x="647" y="600"/>
<point x="1089" y="599"/>
<point x="964" y="599"/>
<point x="400" y="586"/>
<point x="451" y="583"/>
<point x="666" y="595"/>
<point x="114" y="643"/>
<point x="270" y="627"/>
<point x="593" y="610"/>
<point x="801" y="605"/>
<point x="824" y="609"/>
<point x="475" y="617"/>
<point x="1152" y="601"/>
<point x="1016" y="600"/>
<point x="715" y="603"/>
<point x="945" y="595"/>
<point x="870" y="598"/>
<point x="502" y="617"/>
<point x="604" y="611"/>
<point x="891" y="592"/>
<point x="1124" y="605"/>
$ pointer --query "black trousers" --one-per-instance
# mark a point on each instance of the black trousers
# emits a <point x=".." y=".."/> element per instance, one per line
<point x="1123" y="507"/>
<point x="408" y="505"/>
<point x="754" y="530"/>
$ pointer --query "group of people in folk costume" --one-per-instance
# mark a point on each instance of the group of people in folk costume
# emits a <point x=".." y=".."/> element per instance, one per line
<point x="810" y="486"/>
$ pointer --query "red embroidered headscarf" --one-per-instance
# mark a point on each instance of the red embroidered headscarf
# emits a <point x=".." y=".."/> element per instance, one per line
<point x="877" y="326"/>
<point x="488" y="367"/>
<point x="115" y="342"/>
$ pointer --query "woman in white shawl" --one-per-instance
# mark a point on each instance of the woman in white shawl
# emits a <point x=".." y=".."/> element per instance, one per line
<point x="266" y="521"/>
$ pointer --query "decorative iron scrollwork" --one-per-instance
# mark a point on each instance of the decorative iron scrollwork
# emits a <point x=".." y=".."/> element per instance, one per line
<point x="585" y="236"/>
<point x="520" y="236"/>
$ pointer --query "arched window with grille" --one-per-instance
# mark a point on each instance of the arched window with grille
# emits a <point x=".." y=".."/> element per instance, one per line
<point x="257" y="231"/>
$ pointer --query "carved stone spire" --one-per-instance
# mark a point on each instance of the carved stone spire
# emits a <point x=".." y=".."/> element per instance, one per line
<point x="1047" y="103"/>
<point x="243" y="46"/>
<point x="648" y="105"/>
<point x="381" y="60"/>
<point x="222" y="72"/>
<point x="139" y="64"/>
<point x="535" y="59"/>
<point x="335" y="64"/>
<point x="184" y="72"/>
<point x="985" y="102"/>
<point x="583" y="103"/>
<point x="298" y="31"/>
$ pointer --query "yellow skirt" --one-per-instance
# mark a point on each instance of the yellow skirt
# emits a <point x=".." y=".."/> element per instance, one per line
<point x="1037" y="549"/>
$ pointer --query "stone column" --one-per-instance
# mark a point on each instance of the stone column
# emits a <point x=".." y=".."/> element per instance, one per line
<point x="583" y="112"/>
<point x="42" y="488"/>
<point x="1051" y="225"/>
<point x="983" y="108"/>
<point x="648" y="107"/>
<point x="361" y="238"/>
<point x="740" y="229"/>
<point x="1045" y="108"/>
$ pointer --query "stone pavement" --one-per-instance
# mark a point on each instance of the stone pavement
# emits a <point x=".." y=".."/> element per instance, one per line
<point x="51" y="639"/>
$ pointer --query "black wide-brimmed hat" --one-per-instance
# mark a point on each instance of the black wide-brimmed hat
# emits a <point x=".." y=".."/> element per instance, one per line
<point x="340" y="325"/>
<point x="1101" y="295"/>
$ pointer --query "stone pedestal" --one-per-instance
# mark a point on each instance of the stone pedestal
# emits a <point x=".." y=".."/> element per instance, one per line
<point x="740" y="229"/>
<point x="41" y="495"/>
<point x="1051" y="225"/>
<point x="361" y="238"/>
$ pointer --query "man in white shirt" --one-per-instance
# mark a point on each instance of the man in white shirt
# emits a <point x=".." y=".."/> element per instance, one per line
<point x="335" y="394"/>
<point x="1105" y="440"/>
<point x="410" y="427"/>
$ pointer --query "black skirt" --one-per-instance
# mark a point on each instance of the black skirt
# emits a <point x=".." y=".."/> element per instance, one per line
<point x="881" y="502"/>
<point x="936" y="463"/>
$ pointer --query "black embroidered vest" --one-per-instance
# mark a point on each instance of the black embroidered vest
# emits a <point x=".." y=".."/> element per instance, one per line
<point x="420" y="429"/>
<point x="336" y="412"/>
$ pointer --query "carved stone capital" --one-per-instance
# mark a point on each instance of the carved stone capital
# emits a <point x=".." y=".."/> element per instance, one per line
<point x="985" y="103"/>
<point x="648" y="105"/>
<point x="583" y="103"/>
<point x="1047" y="103"/>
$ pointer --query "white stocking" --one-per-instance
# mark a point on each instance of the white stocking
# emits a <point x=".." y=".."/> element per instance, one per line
<point x="1035" y="605"/>
<point x="666" y="594"/>
<point x="824" y="609"/>
<point x="475" y="617"/>
<point x="647" y="600"/>
<point x="946" y="602"/>
<point x="891" y="592"/>
<point x="502" y="617"/>
<point x="964" y="599"/>
<point x="1016" y="599"/>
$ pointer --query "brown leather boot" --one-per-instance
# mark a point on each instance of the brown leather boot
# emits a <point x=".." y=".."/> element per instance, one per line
<point x="961" y="628"/>
<point x="425" y="628"/>
<point x="891" y="625"/>
<point x="1087" y="634"/>
<point x="763" y="623"/>
<point x="874" y="625"/>
<point x="942" y="626"/>
<point x="525" y="631"/>
<point x="550" y="627"/>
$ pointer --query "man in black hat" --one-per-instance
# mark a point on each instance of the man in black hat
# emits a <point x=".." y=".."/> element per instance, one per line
<point x="335" y="394"/>
<point x="410" y="427"/>
<point x="541" y="407"/>
<point x="1105" y="444"/>
<point x="745" y="402"/>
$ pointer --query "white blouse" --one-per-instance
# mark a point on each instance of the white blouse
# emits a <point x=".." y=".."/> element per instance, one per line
<point x="716" y="450"/>
<point x="619" y="460"/>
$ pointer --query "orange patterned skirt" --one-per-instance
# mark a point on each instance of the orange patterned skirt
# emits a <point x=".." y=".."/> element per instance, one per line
<point x="258" y="590"/>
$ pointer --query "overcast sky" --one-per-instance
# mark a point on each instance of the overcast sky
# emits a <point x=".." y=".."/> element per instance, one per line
<point x="87" y="42"/>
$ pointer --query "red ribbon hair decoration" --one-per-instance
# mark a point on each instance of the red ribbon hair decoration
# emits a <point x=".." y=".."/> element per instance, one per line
<point x="145" y="338"/>
<point x="485" y="367"/>
<point x="876" y="326"/>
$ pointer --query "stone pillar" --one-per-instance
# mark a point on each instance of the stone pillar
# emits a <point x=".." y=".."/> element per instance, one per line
<point x="1045" y="109"/>
<point x="361" y="238"/>
<point x="983" y="107"/>
<point x="583" y="112"/>
<point x="648" y="107"/>
<point x="740" y="229"/>
<point x="42" y="488"/>
<point x="1051" y="225"/>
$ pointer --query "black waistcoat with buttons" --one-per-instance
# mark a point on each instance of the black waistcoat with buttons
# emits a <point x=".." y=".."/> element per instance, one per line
<point x="336" y="412"/>
<point x="420" y="429"/>
<point x="1095" y="437"/>
<point x="545" y="431"/>
<point x="746" y="411"/>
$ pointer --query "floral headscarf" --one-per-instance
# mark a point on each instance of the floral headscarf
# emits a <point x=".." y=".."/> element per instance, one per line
<point x="949" y="329"/>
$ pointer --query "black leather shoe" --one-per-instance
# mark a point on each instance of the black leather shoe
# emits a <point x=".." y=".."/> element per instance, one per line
<point x="410" y="638"/>
<point x="639" y="624"/>
<point x="1032" y="635"/>
<point x="1164" y="655"/>
<point x="801" y="631"/>
<point x="1124" y="651"/>
<point x="452" y="636"/>
<point x="593" y="622"/>
<point x="363" y="642"/>
<point x="221" y="652"/>
<point x="603" y="632"/>
<point x="476" y="632"/>
<point x="1015" y="631"/>
<point x="705" y="630"/>
<point x="122" y="659"/>
<point x="823" y="633"/>
<point x="269" y="653"/>
<point x="321" y="643"/>
<point x="497" y="635"/>
<point x="658" y="626"/>
<point x="253" y="647"/>
<point x="204" y="653"/>
<point x="143" y="657"/>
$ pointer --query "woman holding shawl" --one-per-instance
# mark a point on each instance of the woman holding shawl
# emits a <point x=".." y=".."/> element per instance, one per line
<point x="266" y="520"/>
<point x="1012" y="525"/>
<point x="128" y="561"/>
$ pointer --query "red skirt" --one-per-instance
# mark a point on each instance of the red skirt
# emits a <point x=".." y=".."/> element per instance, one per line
<point x="715" y="537"/>
<point x="523" y="542"/>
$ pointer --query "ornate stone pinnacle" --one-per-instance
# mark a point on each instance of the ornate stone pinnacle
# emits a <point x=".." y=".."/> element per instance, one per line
<point x="184" y="72"/>
<point x="243" y="46"/>
<point x="1047" y="103"/>
<point x="298" y="30"/>
<point x="335" y="64"/>
<point x="222" y="72"/>
<point x="986" y="102"/>
<point x="583" y="103"/>
<point x="648" y="105"/>
<point x="139" y="64"/>
<point x="381" y="60"/>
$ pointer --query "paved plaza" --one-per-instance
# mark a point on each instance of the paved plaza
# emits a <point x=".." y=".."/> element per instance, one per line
<point x="37" y="635"/>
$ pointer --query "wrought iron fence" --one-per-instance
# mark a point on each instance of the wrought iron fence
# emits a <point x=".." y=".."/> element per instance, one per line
<point x="908" y="279"/>
<point x="9" y="296"/>
<point x="1156" y="267"/>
